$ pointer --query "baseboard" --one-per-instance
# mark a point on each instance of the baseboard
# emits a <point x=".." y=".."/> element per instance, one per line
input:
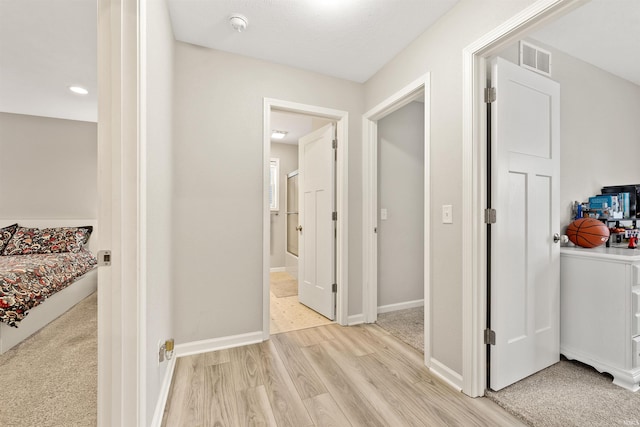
<point x="400" y="306"/>
<point x="446" y="374"/>
<point x="214" y="344"/>
<point x="277" y="269"/>
<point x="356" y="319"/>
<point x="164" y="394"/>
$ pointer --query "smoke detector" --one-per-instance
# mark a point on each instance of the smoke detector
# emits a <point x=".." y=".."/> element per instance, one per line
<point x="238" y="22"/>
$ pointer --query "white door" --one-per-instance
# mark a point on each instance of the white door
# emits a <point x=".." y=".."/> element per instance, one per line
<point x="525" y="257"/>
<point x="316" y="261"/>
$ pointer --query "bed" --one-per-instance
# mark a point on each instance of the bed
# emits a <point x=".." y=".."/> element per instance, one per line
<point x="48" y="297"/>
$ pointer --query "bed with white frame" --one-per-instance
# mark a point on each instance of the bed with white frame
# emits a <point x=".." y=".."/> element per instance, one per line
<point x="58" y="303"/>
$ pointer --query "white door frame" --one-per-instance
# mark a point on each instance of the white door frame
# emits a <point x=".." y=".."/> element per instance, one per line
<point x="342" y="119"/>
<point x="409" y="93"/>
<point x="119" y="286"/>
<point x="474" y="155"/>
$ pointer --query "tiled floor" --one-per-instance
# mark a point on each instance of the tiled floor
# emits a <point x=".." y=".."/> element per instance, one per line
<point x="287" y="314"/>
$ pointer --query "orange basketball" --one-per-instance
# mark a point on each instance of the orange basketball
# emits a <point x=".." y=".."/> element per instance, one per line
<point x="587" y="232"/>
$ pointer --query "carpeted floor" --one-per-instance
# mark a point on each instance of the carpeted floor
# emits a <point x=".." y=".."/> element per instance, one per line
<point x="569" y="394"/>
<point x="50" y="379"/>
<point x="406" y="325"/>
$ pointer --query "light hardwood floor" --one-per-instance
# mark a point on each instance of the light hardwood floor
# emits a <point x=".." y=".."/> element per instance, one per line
<point x="323" y="376"/>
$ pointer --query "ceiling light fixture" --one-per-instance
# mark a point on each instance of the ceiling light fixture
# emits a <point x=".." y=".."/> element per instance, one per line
<point x="278" y="134"/>
<point x="238" y="22"/>
<point x="79" y="90"/>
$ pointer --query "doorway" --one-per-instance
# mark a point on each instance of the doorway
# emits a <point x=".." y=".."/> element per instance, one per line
<point x="288" y="308"/>
<point x="321" y="115"/>
<point x="417" y="90"/>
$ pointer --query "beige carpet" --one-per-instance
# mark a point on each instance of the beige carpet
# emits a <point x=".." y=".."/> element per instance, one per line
<point x="406" y="325"/>
<point x="50" y="379"/>
<point x="568" y="394"/>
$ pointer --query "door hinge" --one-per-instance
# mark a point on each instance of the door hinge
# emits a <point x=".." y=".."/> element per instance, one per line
<point x="334" y="144"/>
<point x="489" y="95"/>
<point x="490" y="216"/>
<point x="334" y="287"/>
<point x="334" y="216"/>
<point x="104" y="258"/>
<point x="489" y="337"/>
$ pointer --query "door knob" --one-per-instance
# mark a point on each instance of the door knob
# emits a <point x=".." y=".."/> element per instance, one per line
<point x="299" y="228"/>
<point x="558" y="238"/>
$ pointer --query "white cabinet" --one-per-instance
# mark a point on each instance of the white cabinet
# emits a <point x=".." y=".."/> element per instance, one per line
<point x="600" y="311"/>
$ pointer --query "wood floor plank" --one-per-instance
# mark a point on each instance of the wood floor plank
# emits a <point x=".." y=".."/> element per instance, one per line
<point x="325" y="412"/>
<point x="354" y="405"/>
<point x="352" y="340"/>
<point x="286" y="403"/>
<point x="217" y="357"/>
<point x="371" y="381"/>
<point x="311" y="336"/>
<point x="300" y="370"/>
<point x="254" y="409"/>
<point x="219" y="396"/>
<point x="245" y="363"/>
<point x="187" y="400"/>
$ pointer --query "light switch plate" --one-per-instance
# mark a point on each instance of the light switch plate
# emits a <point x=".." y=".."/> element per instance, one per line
<point x="383" y="214"/>
<point x="447" y="214"/>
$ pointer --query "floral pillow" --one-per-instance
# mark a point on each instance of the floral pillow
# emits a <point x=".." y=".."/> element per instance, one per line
<point x="47" y="240"/>
<point x="5" y="235"/>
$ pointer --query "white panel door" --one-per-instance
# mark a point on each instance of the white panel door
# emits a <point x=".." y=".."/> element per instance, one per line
<point x="316" y="260"/>
<point x="525" y="257"/>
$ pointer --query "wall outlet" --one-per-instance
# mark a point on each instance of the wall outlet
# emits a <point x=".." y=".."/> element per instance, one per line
<point x="383" y="214"/>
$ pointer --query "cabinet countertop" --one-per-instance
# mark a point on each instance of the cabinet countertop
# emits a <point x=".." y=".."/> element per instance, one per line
<point x="602" y="252"/>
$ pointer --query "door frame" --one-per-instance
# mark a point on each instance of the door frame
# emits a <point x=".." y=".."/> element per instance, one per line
<point x="120" y="314"/>
<point x="342" y="253"/>
<point x="411" y="92"/>
<point x="474" y="183"/>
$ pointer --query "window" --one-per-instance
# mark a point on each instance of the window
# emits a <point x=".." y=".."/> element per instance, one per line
<point x="273" y="184"/>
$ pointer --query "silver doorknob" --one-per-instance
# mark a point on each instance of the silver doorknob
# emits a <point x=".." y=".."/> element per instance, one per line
<point x="558" y="238"/>
<point x="299" y="228"/>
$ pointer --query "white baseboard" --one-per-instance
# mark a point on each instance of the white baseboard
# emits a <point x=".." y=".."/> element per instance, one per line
<point x="356" y="319"/>
<point x="204" y="346"/>
<point x="164" y="394"/>
<point x="277" y="269"/>
<point x="446" y="374"/>
<point x="400" y="306"/>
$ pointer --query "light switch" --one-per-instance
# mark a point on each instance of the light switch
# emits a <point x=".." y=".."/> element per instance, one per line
<point x="383" y="214"/>
<point x="447" y="214"/>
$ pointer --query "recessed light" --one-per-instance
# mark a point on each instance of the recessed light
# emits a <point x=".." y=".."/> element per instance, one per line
<point x="79" y="90"/>
<point x="278" y="134"/>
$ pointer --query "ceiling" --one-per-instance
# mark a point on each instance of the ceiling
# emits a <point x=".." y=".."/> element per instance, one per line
<point x="48" y="45"/>
<point x="349" y="39"/>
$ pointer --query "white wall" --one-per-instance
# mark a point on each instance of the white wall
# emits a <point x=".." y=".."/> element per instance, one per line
<point x="158" y="138"/>
<point x="599" y="131"/>
<point x="439" y="51"/>
<point x="48" y="167"/>
<point x="218" y="188"/>
<point x="401" y="192"/>
<point x="288" y="155"/>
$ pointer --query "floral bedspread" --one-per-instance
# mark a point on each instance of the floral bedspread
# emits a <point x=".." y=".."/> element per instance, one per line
<point x="27" y="280"/>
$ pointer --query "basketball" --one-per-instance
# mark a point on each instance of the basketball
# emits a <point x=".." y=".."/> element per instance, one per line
<point x="587" y="232"/>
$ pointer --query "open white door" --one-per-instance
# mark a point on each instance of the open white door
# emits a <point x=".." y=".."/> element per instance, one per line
<point x="316" y="260"/>
<point x="525" y="256"/>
